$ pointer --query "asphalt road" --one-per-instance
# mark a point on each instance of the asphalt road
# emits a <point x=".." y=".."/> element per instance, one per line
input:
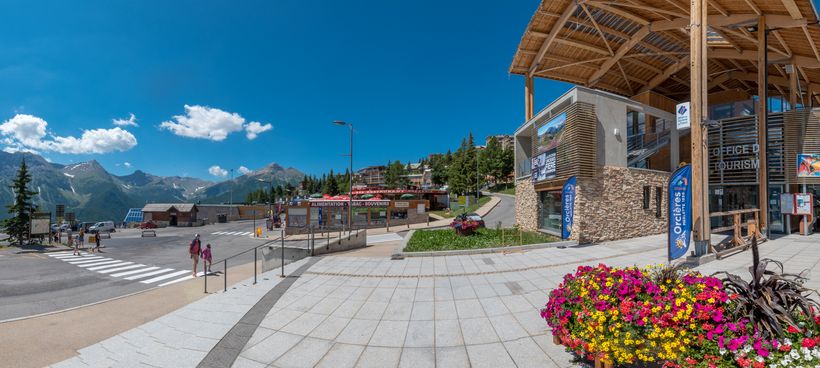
<point x="504" y="212"/>
<point x="35" y="283"/>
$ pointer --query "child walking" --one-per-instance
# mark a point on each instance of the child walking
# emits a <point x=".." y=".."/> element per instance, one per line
<point x="207" y="257"/>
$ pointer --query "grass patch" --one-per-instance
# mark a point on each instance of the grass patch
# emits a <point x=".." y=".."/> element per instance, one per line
<point x="436" y="240"/>
<point x="504" y="188"/>
<point x="472" y="208"/>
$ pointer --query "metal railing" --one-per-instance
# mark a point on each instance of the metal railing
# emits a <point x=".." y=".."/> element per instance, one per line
<point x="641" y="146"/>
<point x="255" y="262"/>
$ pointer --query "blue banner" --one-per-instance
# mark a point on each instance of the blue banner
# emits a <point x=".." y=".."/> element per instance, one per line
<point x="680" y="212"/>
<point x="567" y="207"/>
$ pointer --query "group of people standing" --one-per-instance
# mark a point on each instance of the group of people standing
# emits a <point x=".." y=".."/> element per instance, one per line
<point x="78" y="241"/>
<point x="195" y="250"/>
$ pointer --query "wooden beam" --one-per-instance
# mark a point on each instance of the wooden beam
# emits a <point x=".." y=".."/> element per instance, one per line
<point x="625" y="47"/>
<point x="556" y="28"/>
<point x="528" y="99"/>
<point x="733" y="20"/>
<point x="762" y="126"/>
<point x="701" y="229"/>
<point x="717" y="7"/>
<point x="753" y="6"/>
<point x="793" y="92"/>
<point x="638" y="6"/>
<point x="659" y="78"/>
<point x="718" y="80"/>
<point x="749" y="55"/>
<point x="581" y="45"/>
<point x="811" y="42"/>
<point x="620" y="12"/>
<point x="792" y="8"/>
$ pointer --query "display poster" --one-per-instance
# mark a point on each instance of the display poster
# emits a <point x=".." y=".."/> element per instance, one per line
<point x="543" y="166"/>
<point x="803" y="204"/>
<point x="787" y="204"/>
<point x="567" y="207"/>
<point x="40" y="226"/>
<point x="682" y="115"/>
<point x="808" y="165"/>
<point x="549" y="134"/>
<point x="680" y="212"/>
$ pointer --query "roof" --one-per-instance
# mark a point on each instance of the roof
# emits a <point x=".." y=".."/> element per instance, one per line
<point x="164" y="207"/>
<point x="628" y="47"/>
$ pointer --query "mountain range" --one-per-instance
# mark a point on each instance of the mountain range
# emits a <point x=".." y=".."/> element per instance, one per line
<point x="94" y="194"/>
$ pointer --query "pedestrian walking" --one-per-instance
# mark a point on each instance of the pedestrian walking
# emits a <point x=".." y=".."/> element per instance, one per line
<point x="81" y="238"/>
<point x="193" y="250"/>
<point x="76" y="246"/>
<point x="97" y="241"/>
<point x="207" y="257"/>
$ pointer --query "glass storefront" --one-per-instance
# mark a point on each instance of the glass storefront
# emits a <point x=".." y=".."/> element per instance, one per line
<point x="549" y="208"/>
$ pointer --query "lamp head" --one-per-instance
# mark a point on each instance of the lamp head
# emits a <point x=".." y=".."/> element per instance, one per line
<point x="339" y="122"/>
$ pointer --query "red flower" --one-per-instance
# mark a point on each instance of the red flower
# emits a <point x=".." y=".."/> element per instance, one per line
<point x="793" y="329"/>
<point x="808" y="343"/>
<point x="785" y="348"/>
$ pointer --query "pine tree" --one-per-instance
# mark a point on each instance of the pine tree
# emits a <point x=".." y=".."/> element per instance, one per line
<point x="395" y="177"/>
<point x="17" y="226"/>
<point x="331" y="185"/>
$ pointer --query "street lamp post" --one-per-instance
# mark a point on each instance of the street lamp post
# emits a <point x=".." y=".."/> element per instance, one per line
<point x="350" y="194"/>
<point x="270" y="197"/>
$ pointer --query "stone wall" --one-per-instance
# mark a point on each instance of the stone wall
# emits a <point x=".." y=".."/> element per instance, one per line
<point x="526" y="205"/>
<point x="610" y="206"/>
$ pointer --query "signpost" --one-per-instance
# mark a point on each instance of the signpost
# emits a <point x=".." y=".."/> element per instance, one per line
<point x="682" y="113"/>
<point x="680" y="212"/>
<point x="567" y="207"/>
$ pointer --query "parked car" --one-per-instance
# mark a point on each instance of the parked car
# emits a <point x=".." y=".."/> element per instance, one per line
<point x="55" y="228"/>
<point x="103" y="227"/>
<point x="475" y="217"/>
<point x="148" y="225"/>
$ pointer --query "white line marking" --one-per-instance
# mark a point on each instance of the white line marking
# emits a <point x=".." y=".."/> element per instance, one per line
<point x="134" y="271"/>
<point x="247" y="233"/>
<point x="121" y="268"/>
<point x="67" y="256"/>
<point x="163" y="277"/>
<point x="59" y="254"/>
<point x="149" y="274"/>
<point x="99" y="263"/>
<point x="89" y="260"/>
<point x="216" y="233"/>
<point x="111" y="265"/>
<point x="198" y="274"/>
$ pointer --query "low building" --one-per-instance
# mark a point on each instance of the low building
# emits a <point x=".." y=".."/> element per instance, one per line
<point x="371" y="176"/>
<point x="172" y="214"/>
<point x="331" y="214"/>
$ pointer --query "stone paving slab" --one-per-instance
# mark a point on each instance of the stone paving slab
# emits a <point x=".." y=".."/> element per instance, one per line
<point x="456" y="311"/>
<point x="181" y="338"/>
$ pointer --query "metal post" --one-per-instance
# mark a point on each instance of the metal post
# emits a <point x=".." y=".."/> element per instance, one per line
<point x="225" y="279"/>
<point x="283" y="254"/>
<point x="206" y="277"/>
<point x="254" y="265"/>
<point x="350" y="197"/>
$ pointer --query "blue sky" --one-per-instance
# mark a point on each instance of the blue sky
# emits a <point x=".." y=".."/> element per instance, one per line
<point x="413" y="77"/>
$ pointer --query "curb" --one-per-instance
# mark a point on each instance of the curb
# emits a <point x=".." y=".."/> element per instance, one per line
<point x="489" y="209"/>
<point x="462" y="252"/>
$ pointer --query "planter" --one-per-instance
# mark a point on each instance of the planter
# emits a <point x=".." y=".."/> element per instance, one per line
<point x="556" y="340"/>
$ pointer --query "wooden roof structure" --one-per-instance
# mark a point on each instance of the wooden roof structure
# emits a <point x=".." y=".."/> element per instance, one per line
<point x="633" y="46"/>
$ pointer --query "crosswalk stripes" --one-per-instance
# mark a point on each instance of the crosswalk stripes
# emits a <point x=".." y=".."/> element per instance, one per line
<point x="233" y="233"/>
<point x="145" y="274"/>
<point x="198" y="274"/>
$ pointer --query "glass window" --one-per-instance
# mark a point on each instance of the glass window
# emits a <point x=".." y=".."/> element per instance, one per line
<point x="550" y="211"/>
<point x="378" y="216"/>
<point x="297" y="217"/>
<point x="398" y="214"/>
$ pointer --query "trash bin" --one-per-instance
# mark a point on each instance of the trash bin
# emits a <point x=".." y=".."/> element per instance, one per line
<point x="222" y="218"/>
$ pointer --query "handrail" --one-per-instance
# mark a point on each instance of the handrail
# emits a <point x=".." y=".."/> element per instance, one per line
<point x="249" y="249"/>
<point x="224" y="262"/>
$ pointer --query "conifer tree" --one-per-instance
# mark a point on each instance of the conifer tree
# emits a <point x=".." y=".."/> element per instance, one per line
<point x="17" y="226"/>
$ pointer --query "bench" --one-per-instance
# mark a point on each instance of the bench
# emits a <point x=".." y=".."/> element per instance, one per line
<point x="149" y="233"/>
<point x="738" y="242"/>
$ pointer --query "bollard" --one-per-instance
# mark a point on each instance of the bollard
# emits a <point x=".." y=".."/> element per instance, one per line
<point x="206" y="277"/>
<point x="283" y="255"/>
<point x="254" y="265"/>
<point x="225" y="281"/>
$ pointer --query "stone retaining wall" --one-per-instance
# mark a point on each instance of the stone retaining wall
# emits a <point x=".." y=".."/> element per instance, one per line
<point x="610" y="206"/>
<point x="526" y="205"/>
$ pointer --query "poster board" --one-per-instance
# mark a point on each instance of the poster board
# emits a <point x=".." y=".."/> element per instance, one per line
<point x="787" y="204"/>
<point x="40" y="226"/>
<point x="803" y="204"/>
<point x="808" y="165"/>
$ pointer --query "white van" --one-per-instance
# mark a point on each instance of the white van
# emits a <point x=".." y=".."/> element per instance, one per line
<point x="103" y="227"/>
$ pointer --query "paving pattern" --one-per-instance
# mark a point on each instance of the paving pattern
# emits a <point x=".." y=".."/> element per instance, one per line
<point x="233" y="233"/>
<point x="131" y="271"/>
<point x="457" y="311"/>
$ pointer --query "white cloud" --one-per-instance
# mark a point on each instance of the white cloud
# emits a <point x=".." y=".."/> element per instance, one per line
<point x="131" y="121"/>
<point x="211" y="123"/>
<point x="244" y="170"/>
<point x="126" y="164"/>
<point x="26" y="132"/>
<point x="218" y="171"/>
<point x="254" y="128"/>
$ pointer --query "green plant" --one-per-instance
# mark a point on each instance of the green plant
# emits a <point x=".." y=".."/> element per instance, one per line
<point x="772" y="298"/>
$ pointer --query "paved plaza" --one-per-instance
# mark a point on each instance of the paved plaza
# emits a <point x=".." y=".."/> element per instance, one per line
<point x="456" y="311"/>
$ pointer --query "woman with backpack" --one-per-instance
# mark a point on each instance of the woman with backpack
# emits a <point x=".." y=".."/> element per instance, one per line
<point x="194" y="249"/>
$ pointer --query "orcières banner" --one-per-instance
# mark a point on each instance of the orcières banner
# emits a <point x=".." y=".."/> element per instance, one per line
<point x="567" y="207"/>
<point x="680" y="212"/>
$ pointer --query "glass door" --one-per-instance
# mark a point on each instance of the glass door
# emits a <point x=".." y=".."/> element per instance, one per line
<point x="549" y="217"/>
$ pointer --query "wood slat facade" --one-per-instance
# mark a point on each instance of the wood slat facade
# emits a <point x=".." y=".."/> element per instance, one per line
<point x="576" y="154"/>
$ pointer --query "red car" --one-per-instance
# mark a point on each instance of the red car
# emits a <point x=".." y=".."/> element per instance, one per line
<point x="148" y="225"/>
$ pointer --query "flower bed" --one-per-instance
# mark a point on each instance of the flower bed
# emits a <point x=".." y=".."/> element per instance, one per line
<point x="676" y="318"/>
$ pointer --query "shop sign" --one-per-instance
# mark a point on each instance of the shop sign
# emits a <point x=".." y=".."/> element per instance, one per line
<point x="402" y="205"/>
<point x="341" y="203"/>
<point x="736" y="157"/>
<point x="680" y="212"/>
<point x="803" y="204"/>
<point x="549" y="134"/>
<point x="808" y="165"/>
<point x="568" y="207"/>
<point x="683" y="115"/>
<point x="543" y="166"/>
